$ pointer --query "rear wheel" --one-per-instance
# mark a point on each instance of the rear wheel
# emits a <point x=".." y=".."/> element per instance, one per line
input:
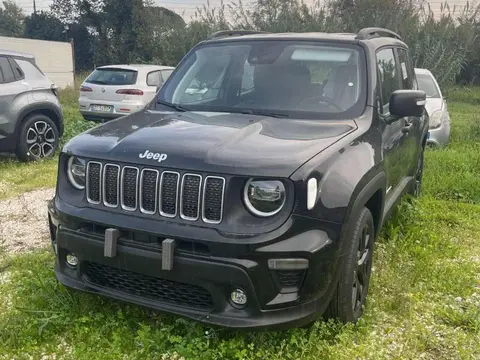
<point x="38" y="138"/>
<point x="350" y="297"/>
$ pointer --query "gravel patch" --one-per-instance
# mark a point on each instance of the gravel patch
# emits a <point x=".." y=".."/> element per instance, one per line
<point x="24" y="222"/>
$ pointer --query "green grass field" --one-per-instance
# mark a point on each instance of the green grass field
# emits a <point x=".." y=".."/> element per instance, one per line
<point x="424" y="301"/>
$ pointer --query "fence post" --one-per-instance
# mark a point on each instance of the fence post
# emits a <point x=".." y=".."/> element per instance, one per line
<point x="72" y="44"/>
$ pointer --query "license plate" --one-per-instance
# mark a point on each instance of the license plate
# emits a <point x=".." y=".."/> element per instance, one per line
<point x="102" y="108"/>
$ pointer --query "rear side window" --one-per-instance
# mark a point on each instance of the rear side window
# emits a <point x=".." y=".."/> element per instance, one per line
<point x="109" y="76"/>
<point x="154" y="78"/>
<point x="389" y="79"/>
<point x="17" y="71"/>
<point x="406" y="69"/>
<point x="31" y="71"/>
<point x="6" y="70"/>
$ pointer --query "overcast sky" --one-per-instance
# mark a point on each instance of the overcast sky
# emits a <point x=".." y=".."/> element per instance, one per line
<point x="187" y="7"/>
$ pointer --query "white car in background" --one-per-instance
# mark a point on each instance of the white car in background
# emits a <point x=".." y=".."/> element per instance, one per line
<point x="118" y="90"/>
<point x="436" y="107"/>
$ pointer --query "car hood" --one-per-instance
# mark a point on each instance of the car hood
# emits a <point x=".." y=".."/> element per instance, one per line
<point x="212" y="142"/>
<point x="433" y="104"/>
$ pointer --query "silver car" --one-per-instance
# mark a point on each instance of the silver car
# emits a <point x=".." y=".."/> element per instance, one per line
<point x="439" y="129"/>
<point x="31" y="117"/>
<point x="118" y="90"/>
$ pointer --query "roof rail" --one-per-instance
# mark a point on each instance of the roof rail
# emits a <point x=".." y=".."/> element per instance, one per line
<point x="372" y="32"/>
<point x="225" y="33"/>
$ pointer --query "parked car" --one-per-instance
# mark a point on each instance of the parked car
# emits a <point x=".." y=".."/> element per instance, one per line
<point x="439" y="133"/>
<point x="118" y="90"/>
<point x="31" y="117"/>
<point x="256" y="201"/>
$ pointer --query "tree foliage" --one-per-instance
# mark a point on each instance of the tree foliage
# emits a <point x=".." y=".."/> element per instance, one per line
<point x="126" y="31"/>
<point x="11" y="19"/>
<point x="44" y="26"/>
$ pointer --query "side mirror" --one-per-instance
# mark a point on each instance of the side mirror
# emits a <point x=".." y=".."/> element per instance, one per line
<point x="404" y="103"/>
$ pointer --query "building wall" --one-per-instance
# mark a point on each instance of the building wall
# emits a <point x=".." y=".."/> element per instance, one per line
<point x="52" y="57"/>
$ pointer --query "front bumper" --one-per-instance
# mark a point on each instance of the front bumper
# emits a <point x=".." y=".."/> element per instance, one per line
<point x="440" y="136"/>
<point x="199" y="284"/>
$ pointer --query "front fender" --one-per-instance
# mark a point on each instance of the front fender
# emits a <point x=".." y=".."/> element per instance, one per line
<point x="347" y="180"/>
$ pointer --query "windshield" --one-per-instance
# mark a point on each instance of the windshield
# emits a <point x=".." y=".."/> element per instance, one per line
<point x="426" y="83"/>
<point x="112" y="76"/>
<point x="287" y="78"/>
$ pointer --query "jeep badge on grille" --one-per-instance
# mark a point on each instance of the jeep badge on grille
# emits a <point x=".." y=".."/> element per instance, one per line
<point x="151" y="155"/>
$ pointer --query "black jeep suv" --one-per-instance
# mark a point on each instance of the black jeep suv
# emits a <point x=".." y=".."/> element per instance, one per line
<point x="250" y="192"/>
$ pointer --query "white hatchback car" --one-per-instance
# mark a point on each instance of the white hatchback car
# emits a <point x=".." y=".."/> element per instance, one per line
<point x="437" y="109"/>
<point x="117" y="90"/>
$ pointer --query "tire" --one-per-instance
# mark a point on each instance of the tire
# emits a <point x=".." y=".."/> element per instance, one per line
<point x="350" y="296"/>
<point x="38" y="138"/>
<point x="417" y="187"/>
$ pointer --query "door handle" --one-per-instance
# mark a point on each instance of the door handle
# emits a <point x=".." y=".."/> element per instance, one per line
<point x="407" y="128"/>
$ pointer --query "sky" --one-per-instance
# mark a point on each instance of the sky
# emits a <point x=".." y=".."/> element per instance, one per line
<point x="187" y="8"/>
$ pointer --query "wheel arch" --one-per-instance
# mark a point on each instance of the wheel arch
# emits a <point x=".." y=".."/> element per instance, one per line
<point x="45" y="109"/>
<point x="372" y="196"/>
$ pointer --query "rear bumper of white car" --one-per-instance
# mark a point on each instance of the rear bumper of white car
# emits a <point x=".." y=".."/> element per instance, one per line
<point x="111" y="110"/>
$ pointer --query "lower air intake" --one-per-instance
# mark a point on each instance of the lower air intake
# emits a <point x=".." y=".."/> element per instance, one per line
<point x="147" y="286"/>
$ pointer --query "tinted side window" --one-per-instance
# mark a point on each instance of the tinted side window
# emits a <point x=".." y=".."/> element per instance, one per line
<point x="6" y="69"/>
<point x="406" y="69"/>
<point x="17" y="71"/>
<point x="153" y="78"/>
<point x="389" y="80"/>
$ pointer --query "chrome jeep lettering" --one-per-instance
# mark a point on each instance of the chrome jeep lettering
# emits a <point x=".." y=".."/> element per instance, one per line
<point x="151" y="155"/>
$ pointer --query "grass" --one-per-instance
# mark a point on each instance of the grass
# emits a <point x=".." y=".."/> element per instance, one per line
<point x="424" y="301"/>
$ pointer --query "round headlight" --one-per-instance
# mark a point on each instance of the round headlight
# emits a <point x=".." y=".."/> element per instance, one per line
<point x="436" y="119"/>
<point x="76" y="172"/>
<point x="264" y="197"/>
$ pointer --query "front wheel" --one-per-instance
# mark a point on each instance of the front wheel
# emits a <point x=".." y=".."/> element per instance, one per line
<point x="350" y="297"/>
<point x="417" y="186"/>
<point x="38" y="138"/>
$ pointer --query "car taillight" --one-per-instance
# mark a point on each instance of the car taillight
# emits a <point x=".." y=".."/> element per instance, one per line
<point x="85" y="89"/>
<point x="130" y="92"/>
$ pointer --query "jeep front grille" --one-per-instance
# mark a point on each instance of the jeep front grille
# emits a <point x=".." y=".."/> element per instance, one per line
<point x="94" y="174"/>
<point x="129" y="186"/>
<point x="168" y="194"/>
<point x="190" y="196"/>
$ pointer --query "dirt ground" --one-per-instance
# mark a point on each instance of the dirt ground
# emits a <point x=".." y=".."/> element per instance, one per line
<point x="23" y="221"/>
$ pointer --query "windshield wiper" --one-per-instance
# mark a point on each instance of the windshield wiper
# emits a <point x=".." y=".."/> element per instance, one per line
<point x="173" y="106"/>
<point x="266" y="113"/>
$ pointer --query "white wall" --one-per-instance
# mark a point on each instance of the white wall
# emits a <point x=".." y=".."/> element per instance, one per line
<point x="52" y="57"/>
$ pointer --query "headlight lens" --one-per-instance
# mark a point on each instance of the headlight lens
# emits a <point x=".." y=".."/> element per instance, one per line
<point x="264" y="197"/>
<point x="436" y="119"/>
<point x="76" y="172"/>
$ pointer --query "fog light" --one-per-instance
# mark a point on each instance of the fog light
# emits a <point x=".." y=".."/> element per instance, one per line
<point x="238" y="297"/>
<point x="72" y="260"/>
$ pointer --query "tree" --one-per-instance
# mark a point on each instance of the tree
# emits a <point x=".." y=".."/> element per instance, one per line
<point x="44" y="26"/>
<point x="11" y="19"/>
